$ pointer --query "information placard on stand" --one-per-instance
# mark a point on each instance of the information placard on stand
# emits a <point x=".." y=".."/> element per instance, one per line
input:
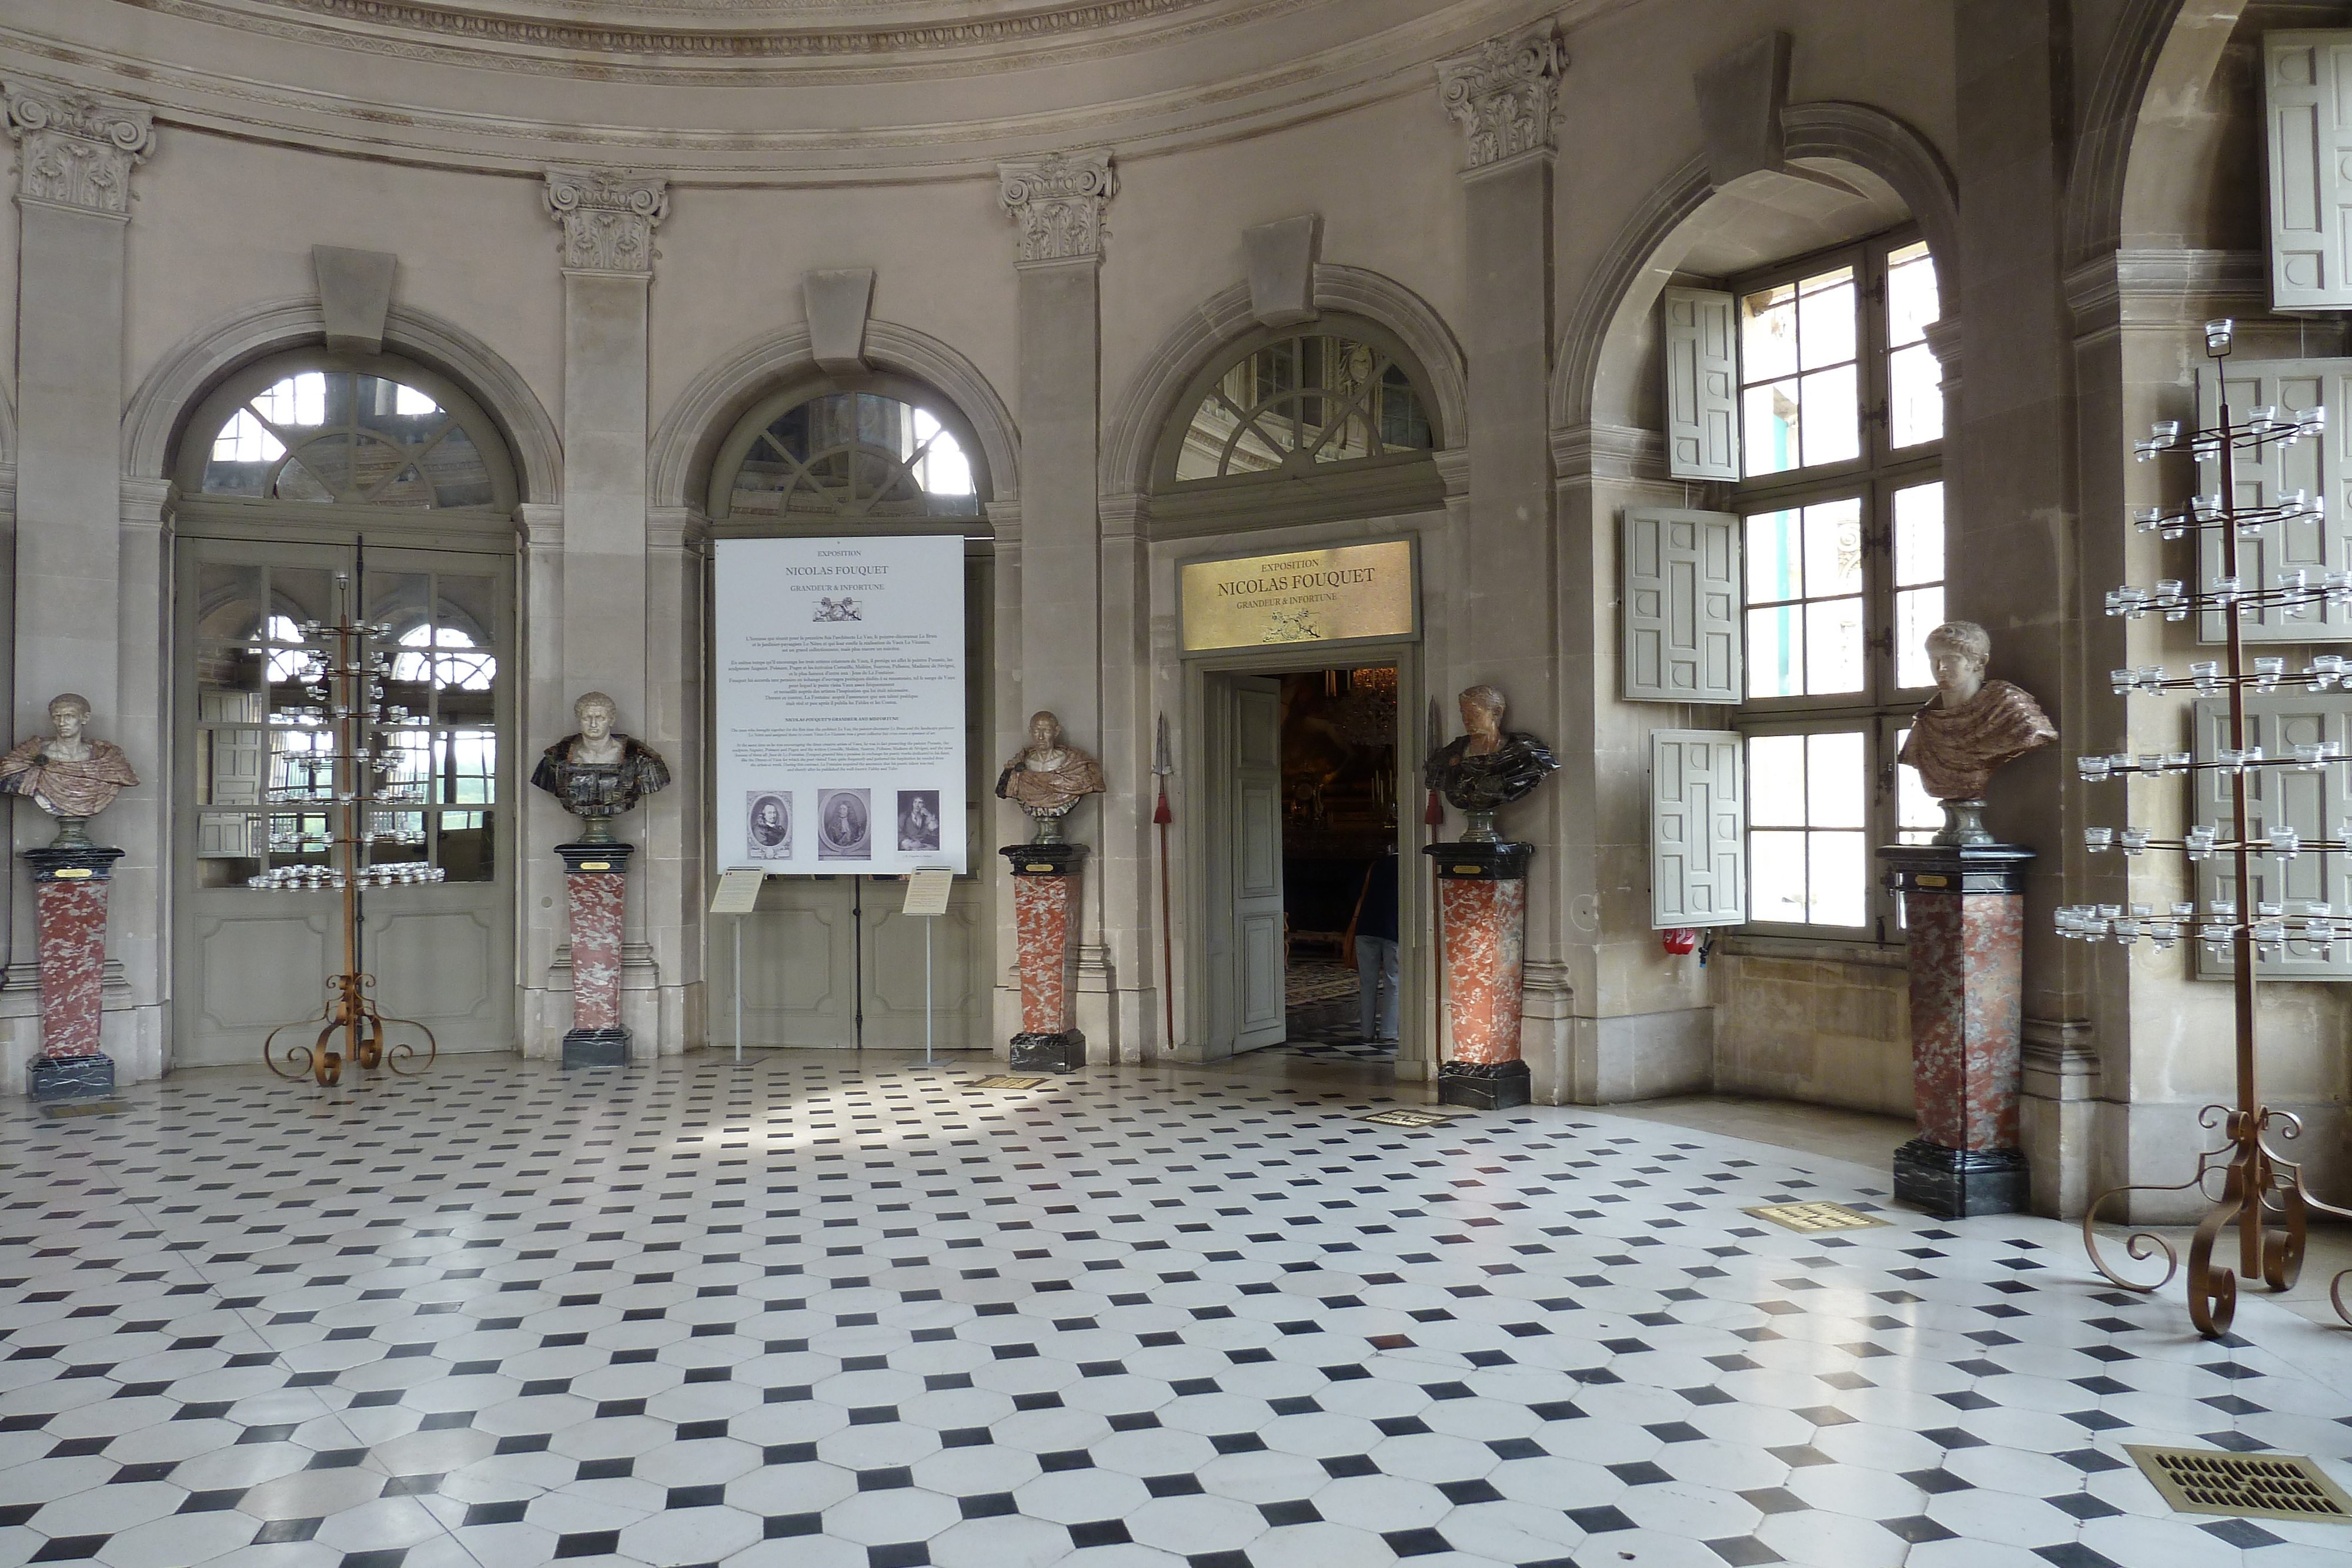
<point x="738" y="894"/>
<point x="926" y="895"/>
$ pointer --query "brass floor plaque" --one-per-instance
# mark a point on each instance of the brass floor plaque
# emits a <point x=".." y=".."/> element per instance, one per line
<point x="1006" y="1081"/>
<point x="1812" y="1217"/>
<point x="2241" y="1486"/>
<point x="1413" y="1117"/>
<point x="84" y="1108"/>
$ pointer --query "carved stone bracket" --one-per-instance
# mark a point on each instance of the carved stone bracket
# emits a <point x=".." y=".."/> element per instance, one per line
<point x="1058" y="200"/>
<point x="76" y="150"/>
<point x="608" y="218"/>
<point x="1505" y="93"/>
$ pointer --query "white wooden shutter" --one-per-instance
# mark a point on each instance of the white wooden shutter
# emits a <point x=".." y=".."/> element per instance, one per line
<point x="1702" y="384"/>
<point x="2313" y="804"/>
<point x="2306" y="138"/>
<point x="1698" y="829"/>
<point x="2323" y="466"/>
<point x="1680" y="576"/>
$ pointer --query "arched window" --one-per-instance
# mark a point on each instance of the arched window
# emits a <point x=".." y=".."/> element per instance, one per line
<point x="1298" y="425"/>
<point x="892" y="452"/>
<point x="1299" y="401"/>
<point x="345" y="431"/>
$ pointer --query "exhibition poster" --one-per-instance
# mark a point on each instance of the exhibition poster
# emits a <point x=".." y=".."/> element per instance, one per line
<point x="840" y="705"/>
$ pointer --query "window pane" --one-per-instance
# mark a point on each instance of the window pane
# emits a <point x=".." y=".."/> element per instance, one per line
<point x="1917" y="816"/>
<point x="1775" y="569"/>
<point x="1837" y="879"/>
<point x="1826" y="320"/>
<point x="1836" y="780"/>
<point x="1775" y="877"/>
<point x="1833" y="646"/>
<point x="1776" y="652"/>
<point x="1767" y="334"/>
<point x="1920" y="535"/>
<point x="1917" y="611"/>
<point x="1767" y="432"/>
<point x="1914" y="397"/>
<point x="1833" y="548"/>
<point x="1776" y="780"/>
<point x="1911" y="294"/>
<point x="1833" y="416"/>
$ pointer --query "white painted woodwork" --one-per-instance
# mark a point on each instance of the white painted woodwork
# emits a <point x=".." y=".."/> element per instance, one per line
<point x="1702" y="348"/>
<point x="2307" y="137"/>
<point x="1682" y="635"/>
<point x="2323" y="467"/>
<point x="2315" y="804"/>
<point x="1698" y="829"/>
<point x="1256" y="848"/>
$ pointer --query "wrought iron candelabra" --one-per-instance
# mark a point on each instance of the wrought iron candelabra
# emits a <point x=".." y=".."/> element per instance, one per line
<point x="343" y="676"/>
<point x="2261" y="1192"/>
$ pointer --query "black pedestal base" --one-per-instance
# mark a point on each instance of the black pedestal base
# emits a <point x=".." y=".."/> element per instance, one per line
<point x="1483" y="1085"/>
<point x="1064" y="1052"/>
<point x="70" y="1077"/>
<point x="1954" y="1184"/>
<point x="597" y="1048"/>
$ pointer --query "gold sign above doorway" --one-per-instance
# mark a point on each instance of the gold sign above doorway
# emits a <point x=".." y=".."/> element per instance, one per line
<point x="1339" y="594"/>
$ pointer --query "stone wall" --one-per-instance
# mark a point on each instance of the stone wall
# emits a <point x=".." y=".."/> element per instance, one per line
<point x="1828" y="1029"/>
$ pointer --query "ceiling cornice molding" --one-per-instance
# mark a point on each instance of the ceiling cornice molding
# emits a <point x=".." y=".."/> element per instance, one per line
<point x="446" y="35"/>
<point x="1363" y="69"/>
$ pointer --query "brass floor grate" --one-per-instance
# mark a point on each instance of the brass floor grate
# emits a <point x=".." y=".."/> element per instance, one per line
<point x="2242" y="1486"/>
<point x="84" y="1108"/>
<point x="1006" y="1081"/>
<point x="1413" y="1117"/>
<point x="1813" y="1217"/>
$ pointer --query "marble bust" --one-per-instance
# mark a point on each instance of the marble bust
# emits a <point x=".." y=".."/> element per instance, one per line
<point x="1968" y="728"/>
<point x="598" y="773"/>
<point x="67" y="773"/>
<point x="1487" y="767"/>
<point x="1048" y="777"/>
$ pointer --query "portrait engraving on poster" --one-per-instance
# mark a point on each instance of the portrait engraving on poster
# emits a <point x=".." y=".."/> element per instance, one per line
<point x="771" y="817"/>
<point x="844" y="825"/>
<point x="843" y="725"/>
<point x="919" y="822"/>
<point x="1333" y="595"/>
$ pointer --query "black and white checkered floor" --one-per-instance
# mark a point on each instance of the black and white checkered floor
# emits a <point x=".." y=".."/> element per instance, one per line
<point x="798" y="1314"/>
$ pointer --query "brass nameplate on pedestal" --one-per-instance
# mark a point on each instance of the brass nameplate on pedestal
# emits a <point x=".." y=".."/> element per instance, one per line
<point x="1039" y="866"/>
<point x="1929" y="879"/>
<point x="73" y="874"/>
<point x="595" y="866"/>
<point x="1469" y="871"/>
<point x="1300" y="596"/>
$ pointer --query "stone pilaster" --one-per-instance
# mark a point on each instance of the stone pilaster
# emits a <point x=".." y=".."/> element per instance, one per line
<point x="607" y="635"/>
<point x="1504" y="627"/>
<point x="1057" y="205"/>
<point x="88" y="588"/>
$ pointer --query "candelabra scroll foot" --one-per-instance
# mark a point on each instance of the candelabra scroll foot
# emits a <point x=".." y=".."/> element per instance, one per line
<point x="366" y="1030"/>
<point x="2212" y="1288"/>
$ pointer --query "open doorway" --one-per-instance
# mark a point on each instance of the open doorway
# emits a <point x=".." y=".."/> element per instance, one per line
<point x="1311" y="864"/>
<point x="1340" y="863"/>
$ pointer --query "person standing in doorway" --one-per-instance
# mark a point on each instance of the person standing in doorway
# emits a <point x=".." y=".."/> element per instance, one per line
<point x="1376" y="949"/>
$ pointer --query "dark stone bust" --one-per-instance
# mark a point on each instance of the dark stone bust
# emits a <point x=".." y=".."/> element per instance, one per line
<point x="1489" y="766"/>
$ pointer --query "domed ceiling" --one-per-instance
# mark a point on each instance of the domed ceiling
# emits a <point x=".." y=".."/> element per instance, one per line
<point x="753" y="91"/>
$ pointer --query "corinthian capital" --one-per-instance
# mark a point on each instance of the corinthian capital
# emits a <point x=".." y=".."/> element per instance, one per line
<point x="1505" y="92"/>
<point x="75" y="151"/>
<point x="608" y="218"/>
<point x="1058" y="200"/>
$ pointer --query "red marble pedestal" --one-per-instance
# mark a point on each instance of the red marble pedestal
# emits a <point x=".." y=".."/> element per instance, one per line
<point x="1044" y="899"/>
<point x="1482" y="922"/>
<point x="1964" y="908"/>
<point x="70" y="886"/>
<point x="594" y="874"/>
